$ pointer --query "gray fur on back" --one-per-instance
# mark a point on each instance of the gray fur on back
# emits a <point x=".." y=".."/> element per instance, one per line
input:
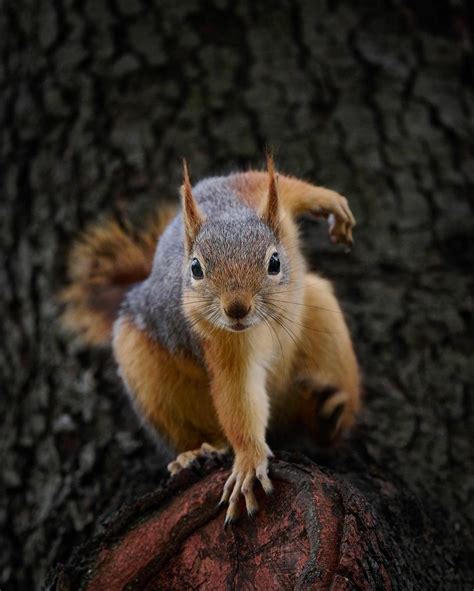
<point x="155" y="304"/>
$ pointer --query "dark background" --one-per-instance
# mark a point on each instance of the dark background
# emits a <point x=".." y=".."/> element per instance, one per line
<point x="101" y="98"/>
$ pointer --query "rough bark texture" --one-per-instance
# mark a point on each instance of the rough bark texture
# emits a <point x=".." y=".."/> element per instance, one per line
<point x="101" y="98"/>
<point x="318" y="531"/>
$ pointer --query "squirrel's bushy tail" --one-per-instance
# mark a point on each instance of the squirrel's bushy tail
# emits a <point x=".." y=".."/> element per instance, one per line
<point x="104" y="263"/>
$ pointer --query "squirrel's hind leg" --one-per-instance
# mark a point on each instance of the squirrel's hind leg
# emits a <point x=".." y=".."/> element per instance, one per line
<point x="326" y="412"/>
<point x="326" y="390"/>
<point x="170" y="392"/>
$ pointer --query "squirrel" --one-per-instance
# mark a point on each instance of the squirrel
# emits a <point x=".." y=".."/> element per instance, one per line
<point x="219" y="331"/>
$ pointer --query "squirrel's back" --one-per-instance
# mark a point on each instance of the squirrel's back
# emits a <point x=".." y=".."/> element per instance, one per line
<point x="154" y="304"/>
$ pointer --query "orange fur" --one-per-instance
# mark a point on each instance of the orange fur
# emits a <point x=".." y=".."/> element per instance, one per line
<point x="318" y="348"/>
<point x="103" y="264"/>
<point x="166" y="386"/>
<point x="238" y="391"/>
<point x="271" y="371"/>
<point x="298" y="197"/>
<point x="325" y="358"/>
<point x="172" y="392"/>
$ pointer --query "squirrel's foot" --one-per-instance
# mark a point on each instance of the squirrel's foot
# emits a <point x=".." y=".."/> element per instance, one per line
<point x="186" y="458"/>
<point x="241" y="482"/>
<point x="335" y="416"/>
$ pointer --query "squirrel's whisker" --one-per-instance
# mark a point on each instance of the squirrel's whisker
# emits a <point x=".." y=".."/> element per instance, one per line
<point x="307" y="306"/>
<point x="273" y="333"/>
<point x="276" y="316"/>
<point x="280" y="312"/>
<point x="272" y="330"/>
<point x="299" y="288"/>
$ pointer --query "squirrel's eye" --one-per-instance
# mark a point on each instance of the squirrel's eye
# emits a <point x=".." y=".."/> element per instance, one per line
<point x="196" y="269"/>
<point x="274" y="264"/>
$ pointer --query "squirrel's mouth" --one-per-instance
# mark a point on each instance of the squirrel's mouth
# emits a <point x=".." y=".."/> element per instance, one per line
<point x="238" y="326"/>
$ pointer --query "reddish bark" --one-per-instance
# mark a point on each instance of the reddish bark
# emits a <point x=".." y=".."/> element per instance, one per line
<point x="318" y="531"/>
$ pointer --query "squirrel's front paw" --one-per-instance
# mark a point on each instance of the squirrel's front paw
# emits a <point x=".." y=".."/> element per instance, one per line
<point x="187" y="458"/>
<point x="246" y="469"/>
<point x="341" y="221"/>
<point x="339" y="216"/>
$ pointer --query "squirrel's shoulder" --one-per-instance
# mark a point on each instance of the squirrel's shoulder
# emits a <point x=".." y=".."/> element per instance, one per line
<point x="239" y="190"/>
<point x="218" y="194"/>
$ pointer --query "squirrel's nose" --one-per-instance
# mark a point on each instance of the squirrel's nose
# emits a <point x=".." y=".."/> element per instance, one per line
<point x="237" y="310"/>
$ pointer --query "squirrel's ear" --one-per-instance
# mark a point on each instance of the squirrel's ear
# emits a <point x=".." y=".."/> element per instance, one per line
<point x="193" y="218"/>
<point x="271" y="208"/>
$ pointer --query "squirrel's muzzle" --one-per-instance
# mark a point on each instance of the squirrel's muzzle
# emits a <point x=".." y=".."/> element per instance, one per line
<point x="237" y="309"/>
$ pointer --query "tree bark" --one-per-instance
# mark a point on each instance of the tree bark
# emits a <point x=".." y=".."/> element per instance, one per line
<point x="319" y="530"/>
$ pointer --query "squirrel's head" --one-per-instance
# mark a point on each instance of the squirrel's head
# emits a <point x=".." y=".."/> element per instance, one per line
<point x="233" y="265"/>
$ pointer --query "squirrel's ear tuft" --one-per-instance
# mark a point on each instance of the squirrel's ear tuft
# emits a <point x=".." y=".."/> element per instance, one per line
<point x="193" y="218"/>
<point x="271" y="208"/>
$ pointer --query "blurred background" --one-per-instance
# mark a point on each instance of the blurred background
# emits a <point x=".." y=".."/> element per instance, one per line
<point x="100" y="99"/>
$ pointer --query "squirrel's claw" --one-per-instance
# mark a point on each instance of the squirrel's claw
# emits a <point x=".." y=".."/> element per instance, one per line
<point x="249" y="495"/>
<point x="340" y="230"/>
<point x="241" y="482"/>
<point x="227" y="488"/>
<point x="231" y="518"/>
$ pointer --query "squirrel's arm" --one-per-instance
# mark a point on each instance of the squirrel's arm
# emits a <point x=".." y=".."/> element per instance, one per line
<point x="298" y="197"/>
<point x="241" y="401"/>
